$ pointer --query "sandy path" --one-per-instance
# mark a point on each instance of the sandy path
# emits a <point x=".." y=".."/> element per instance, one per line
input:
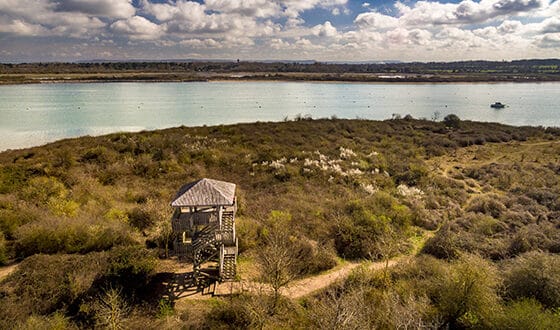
<point x="7" y="270"/>
<point x="309" y="285"/>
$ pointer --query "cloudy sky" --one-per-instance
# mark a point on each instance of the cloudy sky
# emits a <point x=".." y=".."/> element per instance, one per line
<point x="325" y="30"/>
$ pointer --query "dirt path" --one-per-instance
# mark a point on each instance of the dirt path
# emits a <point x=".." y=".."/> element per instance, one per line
<point x="7" y="270"/>
<point x="307" y="286"/>
<point x="298" y="288"/>
<point x="302" y="287"/>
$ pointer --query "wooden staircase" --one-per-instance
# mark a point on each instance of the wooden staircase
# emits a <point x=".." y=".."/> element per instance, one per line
<point x="229" y="268"/>
<point x="205" y="247"/>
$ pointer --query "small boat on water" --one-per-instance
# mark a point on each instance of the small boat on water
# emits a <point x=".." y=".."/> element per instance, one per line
<point x="497" y="105"/>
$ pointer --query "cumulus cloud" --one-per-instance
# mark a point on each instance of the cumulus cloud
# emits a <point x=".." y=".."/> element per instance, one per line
<point x="105" y="8"/>
<point x="374" y="20"/>
<point x="465" y="12"/>
<point x="251" y="8"/>
<point x="325" y="30"/>
<point x="551" y="25"/>
<point x="411" y="30"/>
<point x="22" y="28"/>
<point x="201" y="43"/>
<point x="137" y="28"/>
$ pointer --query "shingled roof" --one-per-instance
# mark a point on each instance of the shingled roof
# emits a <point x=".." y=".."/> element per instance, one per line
<point x="205" y="192"/>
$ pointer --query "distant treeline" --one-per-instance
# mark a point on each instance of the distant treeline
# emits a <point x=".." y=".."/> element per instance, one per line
<point x="541" y="66"/>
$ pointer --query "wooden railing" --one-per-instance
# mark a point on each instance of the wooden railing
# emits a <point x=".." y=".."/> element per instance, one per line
<point x="182" y="221"/>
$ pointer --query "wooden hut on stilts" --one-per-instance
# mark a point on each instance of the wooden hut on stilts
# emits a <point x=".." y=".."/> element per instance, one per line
<point x="204" y="224"/>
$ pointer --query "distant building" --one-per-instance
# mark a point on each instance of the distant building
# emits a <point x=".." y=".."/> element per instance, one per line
<point x="204" y="223"/>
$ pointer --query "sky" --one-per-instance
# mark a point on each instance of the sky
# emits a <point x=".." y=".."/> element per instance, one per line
<point x="322" y="30"/>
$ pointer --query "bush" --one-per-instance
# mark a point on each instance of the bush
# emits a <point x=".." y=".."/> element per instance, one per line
<point x="466" y="293"/>
<point x="99" y="155"/>
<point x="313" y="258"/>
<point x="452" y="120"/>
<point x="528" y="314"/>
<point x="140" y="219"/>
<point x="3" y="252"/>
<point x="445" y="244"/>
<point x="489" y="205"/>
<point x="54" y="235"/>
<point x="57" y="321"/>
<point x="43" y="284"/>
<point x="129" y="267"/>
<point x="534" y="275"/>
<point x="355" y="234"/>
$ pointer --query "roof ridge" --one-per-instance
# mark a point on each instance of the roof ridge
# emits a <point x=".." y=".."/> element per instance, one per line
<point x="205" y="192"/>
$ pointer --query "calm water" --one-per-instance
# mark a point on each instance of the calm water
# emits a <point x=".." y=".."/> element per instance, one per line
<point x="36" y="114"/>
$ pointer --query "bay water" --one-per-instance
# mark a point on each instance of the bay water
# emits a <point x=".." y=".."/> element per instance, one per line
<point x="33" y="115"/>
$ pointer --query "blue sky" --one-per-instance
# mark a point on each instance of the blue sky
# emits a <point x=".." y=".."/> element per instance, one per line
<point x="324" y="30"/>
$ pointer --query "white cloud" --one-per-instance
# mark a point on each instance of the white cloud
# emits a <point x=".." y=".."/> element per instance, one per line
<point x="551" y="25"/>
<point x="465" y="12"/>
<point x="250" y="8"/>
<point x="137" y="28"/>
<point x="550" y="40"/>
<point x="22" y="28"/>
<point x="201" y="43"/>
<point x="374" y="20"/>
<point x="325" y="30"/>
<point x="422" y="30"/>
<point x="105" y="8"/>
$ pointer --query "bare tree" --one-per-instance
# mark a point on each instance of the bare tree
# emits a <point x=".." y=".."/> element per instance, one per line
<point x="165" y="235"/>
<point x="277" y="258"/>
<point x="337" y="309"/>
<point x="111" y="310"/>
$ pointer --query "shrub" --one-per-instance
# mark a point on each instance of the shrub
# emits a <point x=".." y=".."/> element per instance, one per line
<point x="444" y="244"/>
<point x="534" y="275"/>
<point x="129" y="267"/>
<point x="312" y="258"/>
<point x="3" y="252"/>
<point x="54" y="235"/>
<point x="99" y="155"/>
<point x="50" y="192"/>
<point x="43" y="284"/>
<point x="489" y="205"/>
<point x="466" y="293"/>
<point x="528" y="314"/>
<point x="140" y="218"/>
<point x="13" y="217"/>
<point x="57" y="321"/>
<point x="111" y="310"/>
<point x="452" y="120"/>
<point x="356" y="234"/>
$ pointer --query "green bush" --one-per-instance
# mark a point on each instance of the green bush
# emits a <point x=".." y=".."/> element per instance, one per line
<point x="355" y="234"/>
<point x="489" y="205"/>
<point x="528" y="314"/>
<point x="534" y="275"/>
<point x="43" y="284"/>
<point x="54" y="235"/>
<point x="99" y="155"/>
<point x="312" y="258"/>
<point x="452" y="121"/>
<point x="3" y="251"/>
<point x="466" y="295"/>
<point x="129" y="267"/>
<point x="140" y="218"/>
<point x="56" y="321"/>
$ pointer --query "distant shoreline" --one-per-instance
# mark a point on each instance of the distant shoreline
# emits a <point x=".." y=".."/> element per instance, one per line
<point x="49" y="78"/>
